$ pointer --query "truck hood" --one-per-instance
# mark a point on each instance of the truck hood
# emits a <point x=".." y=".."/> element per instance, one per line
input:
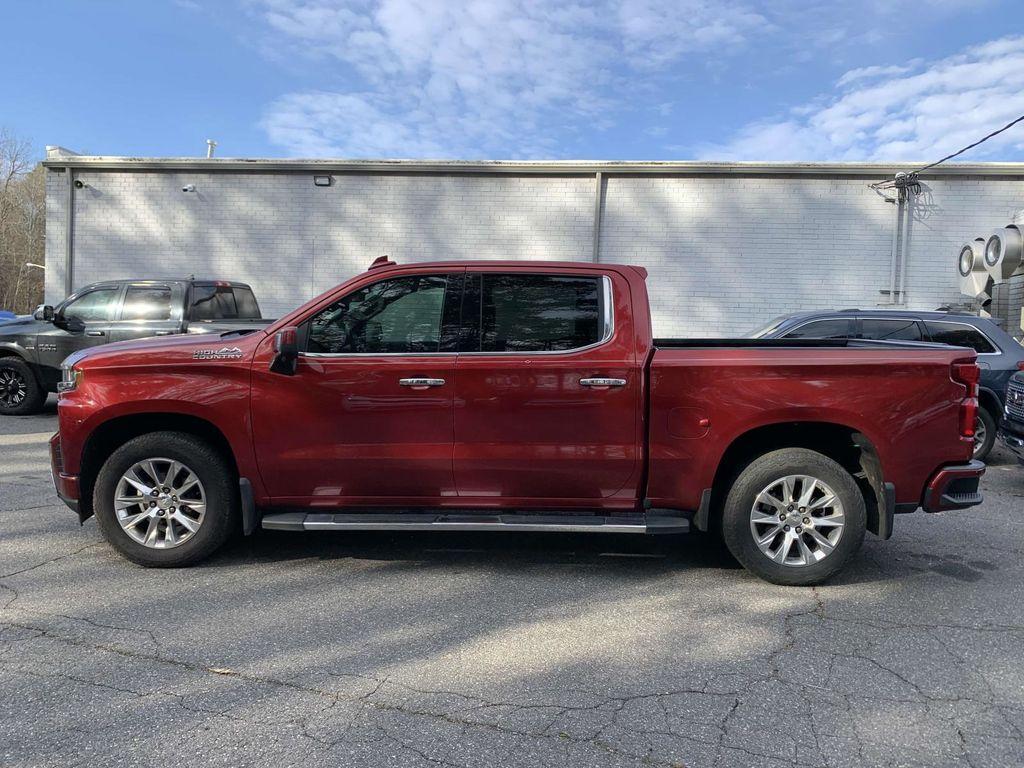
<point x="166" y="350"/>
<point x="16" y="326"/>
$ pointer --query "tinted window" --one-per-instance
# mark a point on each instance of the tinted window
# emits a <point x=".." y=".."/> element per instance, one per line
<point x="538" y="313"/>
<point x="93" y="306"/>
<point x="223" y="302"/>
<point x="959" y="336"/>
<point x="401" y="315"/>
<point x="248" y="309"/>
<point x="147" y="303"/>
<point x="822" y="329"/>
<point x="905" y="330"/>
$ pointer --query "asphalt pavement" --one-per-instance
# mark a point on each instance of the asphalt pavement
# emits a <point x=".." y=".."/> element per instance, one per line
<point x="365" y="649"/>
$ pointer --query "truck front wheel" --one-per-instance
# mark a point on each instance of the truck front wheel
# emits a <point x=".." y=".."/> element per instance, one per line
<point x="166" y="499"/>
<point x="20" y="392"/>
<point x="794" y="517"/>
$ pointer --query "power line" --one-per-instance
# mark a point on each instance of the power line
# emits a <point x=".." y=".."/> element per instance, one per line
<point x="903" y="181"/>
<point x="970" y="146"/>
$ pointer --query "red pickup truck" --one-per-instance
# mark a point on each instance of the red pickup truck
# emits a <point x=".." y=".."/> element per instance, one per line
<point x="513" y="396"/>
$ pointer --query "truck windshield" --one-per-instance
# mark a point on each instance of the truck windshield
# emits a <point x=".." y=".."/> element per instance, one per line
<point x="223" y="302"/>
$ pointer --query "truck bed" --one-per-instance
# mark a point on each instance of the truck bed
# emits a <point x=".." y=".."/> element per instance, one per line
<point x="899" y="397"/>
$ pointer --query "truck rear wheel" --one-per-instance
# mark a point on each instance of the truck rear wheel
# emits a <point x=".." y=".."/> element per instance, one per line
<point x="794" y="517"/>
<point x="20" y="391"/>
<point x="166" y="499"/>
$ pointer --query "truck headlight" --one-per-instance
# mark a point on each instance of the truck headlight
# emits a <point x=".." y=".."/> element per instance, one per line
<point x="70" y="378"/>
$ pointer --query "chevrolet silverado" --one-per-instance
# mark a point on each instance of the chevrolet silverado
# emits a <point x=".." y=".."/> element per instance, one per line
<point x="512" y="396"/>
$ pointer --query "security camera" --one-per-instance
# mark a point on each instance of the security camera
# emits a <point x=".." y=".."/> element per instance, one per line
<point x="189" y="188"/>
<point x="79" y="184"/>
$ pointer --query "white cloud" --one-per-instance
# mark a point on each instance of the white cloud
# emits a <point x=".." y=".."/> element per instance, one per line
<point x="913" y="112"/>
<point x="496" y="77"/>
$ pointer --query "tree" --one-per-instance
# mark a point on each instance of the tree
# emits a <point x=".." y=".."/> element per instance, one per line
<point x="22" y="225"/>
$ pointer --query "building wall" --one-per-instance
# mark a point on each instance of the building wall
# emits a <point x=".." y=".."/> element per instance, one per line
<point x="725" y="253"/>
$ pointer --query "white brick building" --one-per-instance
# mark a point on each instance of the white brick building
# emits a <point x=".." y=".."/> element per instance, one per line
<point x="728" y="246"/>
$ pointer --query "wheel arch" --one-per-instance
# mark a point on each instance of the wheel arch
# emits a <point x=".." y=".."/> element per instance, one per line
<point x="847" y="446"/>
<point x="112" y="434"/>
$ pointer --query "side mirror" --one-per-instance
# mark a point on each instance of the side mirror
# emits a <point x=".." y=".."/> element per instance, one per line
<point x="286" y="351"/>
<point x="69" y="324"/>
<point x="44" y="312"/>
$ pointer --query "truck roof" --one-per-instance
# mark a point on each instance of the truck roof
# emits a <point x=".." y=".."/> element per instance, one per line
<point x="382" y="264"/>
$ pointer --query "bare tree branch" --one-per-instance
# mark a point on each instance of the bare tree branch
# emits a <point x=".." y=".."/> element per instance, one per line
<point x="22" y="224"/>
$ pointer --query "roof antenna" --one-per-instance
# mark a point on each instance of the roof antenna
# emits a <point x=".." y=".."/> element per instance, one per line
<point x="210" y="146"/>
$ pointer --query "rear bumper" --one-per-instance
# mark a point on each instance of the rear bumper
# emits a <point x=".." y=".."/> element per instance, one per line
<point x="66" y="485"/>
<point x="954" y="487"/>
<point x="1011" y="434"/>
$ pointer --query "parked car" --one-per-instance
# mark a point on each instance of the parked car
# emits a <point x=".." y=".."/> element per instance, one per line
<point x="513" y="396"/>
<point x="999" y="355"/>
<point x="1011" y="429"/>
<point x="32" y="347"/>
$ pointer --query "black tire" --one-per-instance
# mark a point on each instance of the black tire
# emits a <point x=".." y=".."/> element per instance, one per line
<point x="769" y="468"/>
<point x="20" y="391"/>
<point x="214" y="472"/>
<point x="982" y="449"/>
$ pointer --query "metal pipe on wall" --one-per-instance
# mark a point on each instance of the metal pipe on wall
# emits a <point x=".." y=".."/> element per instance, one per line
<point x="598" y="195"/>
<point x="69" y="233"/>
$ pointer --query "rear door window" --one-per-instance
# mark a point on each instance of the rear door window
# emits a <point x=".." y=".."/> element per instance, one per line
<point x="959" y="335"/>
<point x="835" y="328"/>
<point x="891" y="329"/>
<point x="147" y="302"/>
<point x="533" y="313"/>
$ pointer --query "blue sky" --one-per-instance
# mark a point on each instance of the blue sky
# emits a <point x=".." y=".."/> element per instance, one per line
<point x="820" y="80"/>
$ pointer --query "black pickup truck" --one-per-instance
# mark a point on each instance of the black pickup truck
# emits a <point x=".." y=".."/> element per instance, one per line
<point x="33" y="347"/>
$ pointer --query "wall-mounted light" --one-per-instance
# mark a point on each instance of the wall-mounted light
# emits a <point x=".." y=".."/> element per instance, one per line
<point x="322" y="181"/>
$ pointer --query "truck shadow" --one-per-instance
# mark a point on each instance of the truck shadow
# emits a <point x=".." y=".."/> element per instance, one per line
<point x="622" y="553"/>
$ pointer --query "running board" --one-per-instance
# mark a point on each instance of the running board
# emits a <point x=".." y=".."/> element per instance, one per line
<point x="445" y="521"/>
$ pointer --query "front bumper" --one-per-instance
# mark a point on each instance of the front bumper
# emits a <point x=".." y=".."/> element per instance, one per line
<point x="1011" y="434"/>
<point x="66" y="485"/>
<point x="954" y="487"/>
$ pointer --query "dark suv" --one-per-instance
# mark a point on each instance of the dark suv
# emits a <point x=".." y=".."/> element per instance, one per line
<point x="999" y="355"/>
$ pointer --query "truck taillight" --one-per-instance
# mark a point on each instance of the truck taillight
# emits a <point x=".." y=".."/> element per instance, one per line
<point x="968" y="373"/>
<point x="968" y="416"/>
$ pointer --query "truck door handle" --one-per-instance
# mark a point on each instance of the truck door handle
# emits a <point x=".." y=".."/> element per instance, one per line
<point x="421" y="383"/>
<point x="163" y="333"/>
<point x="95" y="333"/>
<point x="602" y="382"/>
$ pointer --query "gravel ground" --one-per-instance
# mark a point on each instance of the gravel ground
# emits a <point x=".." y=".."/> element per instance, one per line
<point x="504" y="649"/>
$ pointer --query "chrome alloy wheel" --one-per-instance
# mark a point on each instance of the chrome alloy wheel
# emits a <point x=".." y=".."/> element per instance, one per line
<point x="13" y="388"/>
<point x="160" y="503"/>
<point x="980" y="433"/>
<point x="797" y="520"/>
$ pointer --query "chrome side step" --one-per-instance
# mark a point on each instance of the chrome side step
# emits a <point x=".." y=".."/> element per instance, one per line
<point x="447" y="521"/>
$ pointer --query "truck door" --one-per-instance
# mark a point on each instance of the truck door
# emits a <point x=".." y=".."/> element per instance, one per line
<point x="83" y="321"/>
<point x="149" y="309"/>
<point x="367" y="417"/>
<point x="548" y="389"/>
